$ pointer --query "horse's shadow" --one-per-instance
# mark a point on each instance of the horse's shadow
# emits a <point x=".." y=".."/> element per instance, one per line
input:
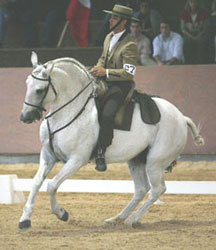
<point x="88" y="230"/>
<point x="172" y="225"/>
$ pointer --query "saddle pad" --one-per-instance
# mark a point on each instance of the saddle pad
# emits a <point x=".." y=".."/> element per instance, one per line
<point x="149" y="111"/>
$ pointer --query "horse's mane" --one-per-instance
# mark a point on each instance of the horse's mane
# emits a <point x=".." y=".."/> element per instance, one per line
<point x="66" y="61"/>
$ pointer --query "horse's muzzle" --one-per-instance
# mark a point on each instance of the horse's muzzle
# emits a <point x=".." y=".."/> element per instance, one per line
<point x="30" y="116"/>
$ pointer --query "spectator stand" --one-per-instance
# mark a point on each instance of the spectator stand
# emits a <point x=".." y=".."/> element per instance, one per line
<point x="168" y="8"/>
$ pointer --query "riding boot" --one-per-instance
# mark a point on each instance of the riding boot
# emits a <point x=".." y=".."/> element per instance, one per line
<point x="100" y="160"/>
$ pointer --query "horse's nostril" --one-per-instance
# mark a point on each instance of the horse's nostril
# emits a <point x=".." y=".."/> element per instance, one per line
<point x="25" y="117"/>
<point x="29" y="117"/>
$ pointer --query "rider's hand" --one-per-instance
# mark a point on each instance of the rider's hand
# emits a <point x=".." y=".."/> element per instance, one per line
<point x="98" y="71"/>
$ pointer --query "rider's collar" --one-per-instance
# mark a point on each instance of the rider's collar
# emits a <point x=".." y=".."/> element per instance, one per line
<point x="118" y="35"/>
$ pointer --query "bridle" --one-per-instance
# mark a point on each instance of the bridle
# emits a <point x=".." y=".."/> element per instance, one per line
<point x="40" y="106"/>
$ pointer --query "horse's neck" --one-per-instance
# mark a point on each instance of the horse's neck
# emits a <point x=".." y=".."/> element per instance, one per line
<point x="67" y="90"/>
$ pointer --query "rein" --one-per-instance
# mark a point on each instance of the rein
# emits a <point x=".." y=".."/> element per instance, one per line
<point x="51" y="134"/>
<point x="48" y="116"/>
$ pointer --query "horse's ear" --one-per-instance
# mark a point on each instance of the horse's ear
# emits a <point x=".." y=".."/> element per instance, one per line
<point x="47" y="70"/>
<point x="34" y="59"/>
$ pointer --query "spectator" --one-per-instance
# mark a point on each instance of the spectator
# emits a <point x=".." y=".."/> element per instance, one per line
<point x="4" y="15"/>
<point x="51" y="14"/>
<point x="143" y="43"/>
<point x="168" y="46"/>
<point x="213" y="31"/>
<point x="194" y="24"/>
<point x="78" y="17"/>
<point x="134" y="4"/>
<point x="150" y="19"/>
<point x="27" y="15"/>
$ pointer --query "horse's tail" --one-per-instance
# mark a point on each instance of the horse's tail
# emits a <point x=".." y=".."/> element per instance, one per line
<point x="198" y="140"/>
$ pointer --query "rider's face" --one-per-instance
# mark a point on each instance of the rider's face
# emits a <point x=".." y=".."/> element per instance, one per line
<point x="113" y="20"/>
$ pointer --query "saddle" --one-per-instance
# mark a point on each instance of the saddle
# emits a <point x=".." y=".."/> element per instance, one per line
<point x="148" y="108"/>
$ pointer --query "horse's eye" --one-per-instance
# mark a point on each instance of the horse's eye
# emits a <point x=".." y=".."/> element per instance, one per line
<point x="39" y="91"/>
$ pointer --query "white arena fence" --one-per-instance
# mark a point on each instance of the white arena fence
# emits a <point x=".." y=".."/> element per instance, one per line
<point x="12" y="188"/>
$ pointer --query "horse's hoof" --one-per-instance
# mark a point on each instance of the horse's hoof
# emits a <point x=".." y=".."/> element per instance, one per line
<point x="65" y="216"/>
<point x="113" y="221"/>
<point x="130" y="221"/>
<point x="24" y="225"/>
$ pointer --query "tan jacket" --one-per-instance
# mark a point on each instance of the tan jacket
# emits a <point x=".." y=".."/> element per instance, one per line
<point x="122" y="60"/>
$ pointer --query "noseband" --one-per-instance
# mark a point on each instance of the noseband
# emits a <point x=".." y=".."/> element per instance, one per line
<point x="40" y="106"/>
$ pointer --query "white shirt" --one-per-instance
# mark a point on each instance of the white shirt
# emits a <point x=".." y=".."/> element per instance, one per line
<point x="167" y="49"/>
<point x="115" y="39"/>
<point x="193" y="17"/>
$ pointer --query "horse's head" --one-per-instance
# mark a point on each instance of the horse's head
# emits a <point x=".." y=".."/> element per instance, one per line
<point x="38" y="92"/>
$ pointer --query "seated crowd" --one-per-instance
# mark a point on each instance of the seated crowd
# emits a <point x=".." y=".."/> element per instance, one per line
<point x="158" y="44"/>
<point x="193" y="44"/>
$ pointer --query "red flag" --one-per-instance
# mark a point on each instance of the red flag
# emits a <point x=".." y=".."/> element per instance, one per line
<point x="77" y="15"/>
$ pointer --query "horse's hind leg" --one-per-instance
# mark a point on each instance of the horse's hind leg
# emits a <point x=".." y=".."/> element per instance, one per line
<point x="67" y="170"/>
<point x="46" y="164"/>
<point x="141" y="186"/>
<point x="155" y="174"/>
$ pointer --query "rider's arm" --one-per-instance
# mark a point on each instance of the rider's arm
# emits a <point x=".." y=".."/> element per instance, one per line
<point x="125" y="63"/>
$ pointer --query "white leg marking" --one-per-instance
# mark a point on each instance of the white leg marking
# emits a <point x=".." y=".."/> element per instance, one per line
<point x="44" y="169"/>
<point x="67" y="170"/>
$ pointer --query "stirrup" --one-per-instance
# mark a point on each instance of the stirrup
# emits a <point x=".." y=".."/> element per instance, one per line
<point x="100" y="153"/>
<point x="100" y="161"/>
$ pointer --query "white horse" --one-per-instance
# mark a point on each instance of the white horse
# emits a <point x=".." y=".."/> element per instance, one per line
<point x="70" y="132"/>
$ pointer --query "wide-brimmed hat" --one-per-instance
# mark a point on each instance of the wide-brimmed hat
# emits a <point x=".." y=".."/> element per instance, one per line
<point x="122" y="11"/>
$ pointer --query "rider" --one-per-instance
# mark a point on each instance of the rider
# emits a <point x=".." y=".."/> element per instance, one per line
<point x="117" y="66"/>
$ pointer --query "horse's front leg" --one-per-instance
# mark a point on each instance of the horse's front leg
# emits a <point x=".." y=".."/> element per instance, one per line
<point x="67" y="170"/>
<point x="46" y="164"/>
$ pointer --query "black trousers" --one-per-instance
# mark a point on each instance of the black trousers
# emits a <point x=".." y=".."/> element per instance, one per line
<point x="117" y="93"/>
